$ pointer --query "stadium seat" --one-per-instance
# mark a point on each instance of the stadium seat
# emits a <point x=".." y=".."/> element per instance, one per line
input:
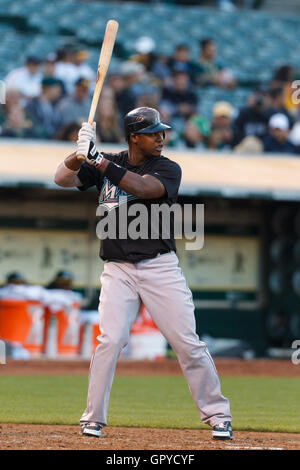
<point x="42" y="23"/>
<point x="273" y="39"/>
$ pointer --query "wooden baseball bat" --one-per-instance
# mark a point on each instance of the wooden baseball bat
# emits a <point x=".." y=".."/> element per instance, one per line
<point x="103" y="64"/>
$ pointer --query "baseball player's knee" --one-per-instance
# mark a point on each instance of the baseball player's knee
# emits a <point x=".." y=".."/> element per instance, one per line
<point x="114" y="340"/>
<point x="188" y="350"/>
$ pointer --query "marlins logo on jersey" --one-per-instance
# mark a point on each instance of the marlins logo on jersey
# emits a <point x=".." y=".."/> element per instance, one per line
<point x="111" y="196"/>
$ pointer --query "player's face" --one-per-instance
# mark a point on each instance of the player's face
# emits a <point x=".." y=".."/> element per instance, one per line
<point x="151" y="144"/>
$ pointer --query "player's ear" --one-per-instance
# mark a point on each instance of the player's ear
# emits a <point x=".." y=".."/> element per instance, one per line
<point x="134" y="138"/>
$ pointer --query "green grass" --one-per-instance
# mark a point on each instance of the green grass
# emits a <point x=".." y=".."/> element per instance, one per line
<point x="260" y="404"/>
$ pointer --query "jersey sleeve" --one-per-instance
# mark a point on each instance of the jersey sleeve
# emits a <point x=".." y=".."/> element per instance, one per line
<point x="169" y="173"/>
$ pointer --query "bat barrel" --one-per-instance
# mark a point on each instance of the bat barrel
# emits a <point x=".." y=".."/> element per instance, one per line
<point x="103" y="64"/>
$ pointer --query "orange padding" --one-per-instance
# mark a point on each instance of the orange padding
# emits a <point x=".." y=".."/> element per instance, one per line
<point x="67" y="325"/>
<point x="22" y="321"/>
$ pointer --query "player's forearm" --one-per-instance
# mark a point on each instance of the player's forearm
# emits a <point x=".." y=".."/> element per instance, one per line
<point x="66" y="173"/>
<point x="139" y="186"/>
<point x="144" y="187"/>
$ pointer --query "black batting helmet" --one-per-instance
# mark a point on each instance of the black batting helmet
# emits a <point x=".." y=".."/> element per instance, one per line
<point x="143" y="121"/>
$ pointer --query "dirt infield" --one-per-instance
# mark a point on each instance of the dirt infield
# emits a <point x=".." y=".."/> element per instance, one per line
<point x="238" y="367"/>
<point x="34" y="436"/>
<point x="30" y="436"/>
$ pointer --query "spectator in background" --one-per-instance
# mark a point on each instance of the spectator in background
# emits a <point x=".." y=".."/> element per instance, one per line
<point x="15" y="278"/>
<point x="12" y="99"/>
<point x="107" y="93"/>
<point x="108" y="128"/>
<point x="252" y="119"/>
<point x="284" y="77"/>
<point x="161" y="70"/>
<point x="180" y="61"/>
<point x="275" y="103"/>
<point x="26" y="79"/>
<point x="83" y="69"/>
<point x="210" y="72"/>
<point x="277" y="139"/>
<point x="17" y="125"/>
<point x="149" y="100"/>
<point x="124" y="97"/>
<point x="65" y="69"/>
<point x="180" y="98"/>
<point x="196" y="132"/>
<point x="137" y="79"/>
<point x="145" y="55"/>
<point x="48" y="70"/>
<point x="62" y="280"/>
<point x="42" y="110"/>
<point x="69" y="133"/>
<point x="76" y="107"/>
<point x="221" y="133"/>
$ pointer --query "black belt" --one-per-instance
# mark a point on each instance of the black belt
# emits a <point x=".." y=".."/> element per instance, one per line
<point x="161" y="252"/>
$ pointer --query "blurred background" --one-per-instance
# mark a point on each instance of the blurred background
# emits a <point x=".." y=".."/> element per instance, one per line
<point x="223" y="75"/>
<point x="216" y="75"/>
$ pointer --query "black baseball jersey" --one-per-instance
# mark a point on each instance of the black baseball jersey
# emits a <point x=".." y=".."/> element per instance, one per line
<point x="111" y="197"/>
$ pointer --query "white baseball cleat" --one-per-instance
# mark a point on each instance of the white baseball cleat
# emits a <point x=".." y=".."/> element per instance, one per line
<point x="91" y="429"/>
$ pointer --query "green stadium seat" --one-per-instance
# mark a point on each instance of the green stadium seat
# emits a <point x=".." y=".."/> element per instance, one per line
<point x="4" y="5"/>
<point x="274" y="40"/>
<point x="43" y="24"/>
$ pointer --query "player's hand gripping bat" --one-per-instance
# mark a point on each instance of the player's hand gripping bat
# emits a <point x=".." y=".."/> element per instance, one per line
<point x="103" y="64"/>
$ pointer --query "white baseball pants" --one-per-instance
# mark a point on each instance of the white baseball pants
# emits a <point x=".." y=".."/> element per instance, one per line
<point x="159" y="283"/>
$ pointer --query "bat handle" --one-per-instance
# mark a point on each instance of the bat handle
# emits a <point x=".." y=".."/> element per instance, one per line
<point x="82" y="158"/>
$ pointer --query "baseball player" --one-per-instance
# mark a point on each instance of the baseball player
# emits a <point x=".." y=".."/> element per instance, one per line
<point x="141" y="270"/>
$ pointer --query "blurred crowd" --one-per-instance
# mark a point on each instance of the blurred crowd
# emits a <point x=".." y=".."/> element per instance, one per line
<point x="49" y="98"/>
